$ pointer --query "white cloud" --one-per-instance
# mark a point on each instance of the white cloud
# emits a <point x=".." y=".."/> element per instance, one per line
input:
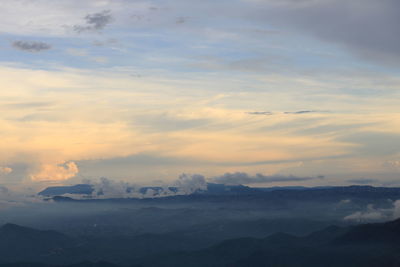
<point x="376" y="214"/>
<point x="55" y="172"/>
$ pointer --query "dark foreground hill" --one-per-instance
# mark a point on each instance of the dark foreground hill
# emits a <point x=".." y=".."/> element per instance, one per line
<point x="22" y="243"/>
<point x="366" y="245"/>
<point x="363" y="245"/>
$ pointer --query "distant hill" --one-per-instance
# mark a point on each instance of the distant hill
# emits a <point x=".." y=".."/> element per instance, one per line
<point x="367" y="245"/>
<point x="81" y="264"/>
<point x="371" y="245"/>
<point x="17" y="242"/>
<point x="383" y="233"/>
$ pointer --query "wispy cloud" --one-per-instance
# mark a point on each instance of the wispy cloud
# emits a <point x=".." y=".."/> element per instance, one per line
<point x="244" y="178"/>
<point x="260" y="113"/>
<point x="372" y="213"/>
<point x="305" y="112"/>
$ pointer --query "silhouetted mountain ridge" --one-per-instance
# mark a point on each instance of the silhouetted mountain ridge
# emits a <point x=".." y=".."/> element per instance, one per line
<point x="361" y="245"/>
<point x="17" y="242"/>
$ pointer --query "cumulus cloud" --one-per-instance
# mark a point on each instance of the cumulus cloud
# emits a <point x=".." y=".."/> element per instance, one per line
<point x="244" y="178"/>
<point x="5" y="170"/>
<point x="191" y="183"/>
<point x="55" y="172"/>
<point x="95" y="22"/>
<point x="31" y="46"/>
<point x="106" y="188"/>
<point x="184" y="185"/>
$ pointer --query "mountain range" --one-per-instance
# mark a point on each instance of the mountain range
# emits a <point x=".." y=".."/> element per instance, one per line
<point x="366" y="245"/>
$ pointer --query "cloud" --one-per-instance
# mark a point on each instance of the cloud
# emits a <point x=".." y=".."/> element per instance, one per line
<point x="55" y="172"/>
<point x="106" y="188"/>
<point x="27" y="104"/>
<point x="95" y="22"/>
<point x="244" y="178"/>
<point x="374" y="214"/>
<point x="184" y="185"/>
<point x="368" y="28"/>
<point x="5" y="170"/>
<point x="191" y="183"/>
<point x="31" y="46"/>
<point x="396" y="209"/>
<point x="304" y="112"/>
<point x="370" y="215"/>
<point x="260" y="113"/>
<point x="181" y="20"/>
<point x="287" y="112"/>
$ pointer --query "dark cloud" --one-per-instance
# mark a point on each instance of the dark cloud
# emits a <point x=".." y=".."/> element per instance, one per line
<point x="181" y="20"/>
<point x="304" y="112"/>
<point x="260" y="113"/>
<point x="287" y="112"/>
<point x="22" y="105"/>
<point x="31" y="46"/>
<point x="266" y="162"/>
<point x="95" y="22"/>
<point x="368" y="28"/>
<point x="244" y="178"/>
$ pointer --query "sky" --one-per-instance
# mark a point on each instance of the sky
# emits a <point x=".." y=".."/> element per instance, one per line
<point x="260" y="92"/>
